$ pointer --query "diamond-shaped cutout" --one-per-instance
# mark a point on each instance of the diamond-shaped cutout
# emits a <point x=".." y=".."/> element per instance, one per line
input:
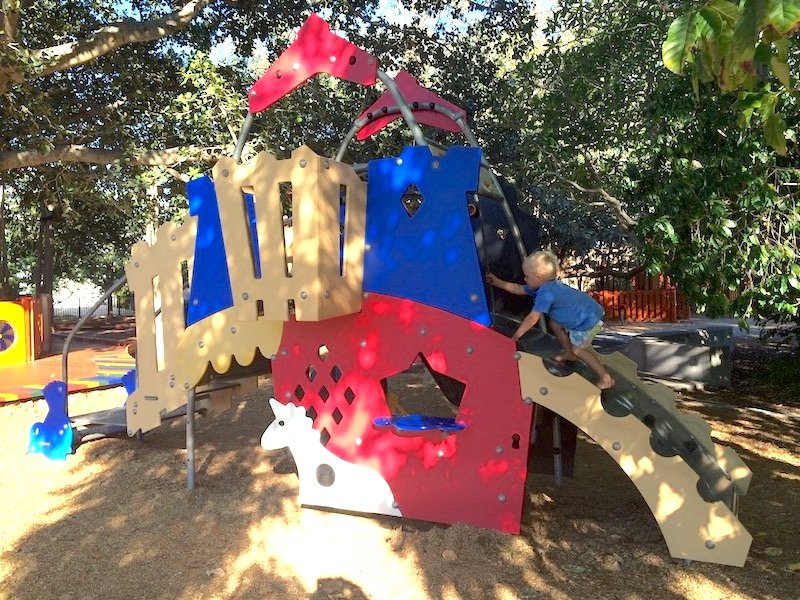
<point x="324" y="393"/>
<point x="323" y="352"/>
<point x="324" y="437"/>
<point x="299" y="392"/>
<point x="312" y="413"/>
<point x="336" y="374"/>
<point x="412" y="199"/>
<point x="311" y="373"/>
<point x="349" y="395"/>
<point x="337" y="416"/>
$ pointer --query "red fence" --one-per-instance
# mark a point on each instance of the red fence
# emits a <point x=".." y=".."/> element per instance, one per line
<point x="644" y="305"/>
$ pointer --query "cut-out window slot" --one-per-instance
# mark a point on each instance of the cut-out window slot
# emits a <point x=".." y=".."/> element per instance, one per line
<point x="312" y="413"/>
<point x="299" y="392"/>
<point x="158" y="315"/>
<point x="260" y="308"/>
<point x="311" y="373"/>
<point x="412" y="199"/>
<point x="342" y="225"/>
<point x="349" y="395"/>
<point x="324" y="437"/>
<point x="285" y="192"/>
<point x="337" y="416"/>
<point x="442" y="401"/>
<point x="324" y="393"/>
<point x="249" y="201"/>
<point x="336" y="374"/>
<point x="185" y="287"/>
<point x="323" y="352"/>
<point x="290" y="306"/>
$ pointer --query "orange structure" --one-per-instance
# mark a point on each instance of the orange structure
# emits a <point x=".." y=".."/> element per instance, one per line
<point x="667" y="304"/>
<point x="24" y="329"/>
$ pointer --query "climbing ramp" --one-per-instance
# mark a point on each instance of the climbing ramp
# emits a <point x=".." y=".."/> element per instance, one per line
<point x="689" y="483"/>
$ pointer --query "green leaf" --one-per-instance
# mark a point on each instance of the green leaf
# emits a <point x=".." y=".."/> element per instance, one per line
<point x="728" y="11"/>
<point x="774" y="128"/>
<point x="781" y="70"/>
<point x="681" y="37"/>
<point x="745" y="34"/>
<point x="794" y="282"/>
<point x="783" y="15"/>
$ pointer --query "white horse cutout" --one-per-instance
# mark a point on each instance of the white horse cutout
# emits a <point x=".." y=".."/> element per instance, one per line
<point x="325" y="479"/>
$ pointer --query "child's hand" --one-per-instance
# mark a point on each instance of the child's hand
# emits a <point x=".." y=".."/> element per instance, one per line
<point x="491" y="279"/>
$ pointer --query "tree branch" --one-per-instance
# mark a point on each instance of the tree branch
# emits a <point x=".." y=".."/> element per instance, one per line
<point x="102" y="42"/>
<point x="610" y="201"/>
<point x="82" y="154"/>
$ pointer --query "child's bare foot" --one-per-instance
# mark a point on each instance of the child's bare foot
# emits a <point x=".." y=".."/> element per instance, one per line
<point x="606" y="382"/>
<point x="565" y="357"/>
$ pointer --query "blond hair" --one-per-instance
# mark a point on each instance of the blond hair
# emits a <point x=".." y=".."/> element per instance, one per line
<point x="542" y="263"/>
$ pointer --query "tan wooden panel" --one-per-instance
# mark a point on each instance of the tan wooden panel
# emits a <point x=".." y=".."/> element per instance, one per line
<point x="692" y="528"/>
<point x="314" y="284"/>
<point x="157" y="391"/>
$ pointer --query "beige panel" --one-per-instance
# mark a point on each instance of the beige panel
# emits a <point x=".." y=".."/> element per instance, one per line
<point x="220" y="337"/>
<point x="692" y="528"/>
<point x="315" y="285"/>
<point x="156" y="391"/>
<point x="727" y="458"/>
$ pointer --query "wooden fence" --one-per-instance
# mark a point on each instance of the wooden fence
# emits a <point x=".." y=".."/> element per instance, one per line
<point x="667" y="305"/>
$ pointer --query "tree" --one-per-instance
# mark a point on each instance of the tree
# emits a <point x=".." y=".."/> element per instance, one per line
<point x="610" y="127"/>
<point x="741" y="48"/>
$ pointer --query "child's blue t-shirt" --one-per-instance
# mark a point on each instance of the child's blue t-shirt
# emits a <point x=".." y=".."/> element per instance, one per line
<point x="570" y="308"/>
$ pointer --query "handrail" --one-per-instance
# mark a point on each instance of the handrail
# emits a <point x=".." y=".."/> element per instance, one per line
<point x="65" y="351"/>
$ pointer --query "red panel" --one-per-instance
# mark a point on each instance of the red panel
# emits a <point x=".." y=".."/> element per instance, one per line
<point x="316" y="50"/>
<point x="412" y="92"/>
<point x="475" y="476"/>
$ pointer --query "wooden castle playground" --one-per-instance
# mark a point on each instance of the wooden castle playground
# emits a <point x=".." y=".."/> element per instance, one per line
<point x="338" y="278"/>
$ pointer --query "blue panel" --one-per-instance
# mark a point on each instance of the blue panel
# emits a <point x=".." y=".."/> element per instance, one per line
<point x="211" y="284"/>
<point x="427" y="255"/>
<point x="53" y="436"/>
<point x="250" y="204"/>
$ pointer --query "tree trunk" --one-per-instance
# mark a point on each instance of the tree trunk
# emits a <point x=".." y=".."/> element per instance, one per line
<point x="45" y="263"/>
<point x="6" y="293"/>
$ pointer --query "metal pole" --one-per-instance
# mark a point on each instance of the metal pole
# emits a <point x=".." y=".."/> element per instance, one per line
<point x="404" y="110"/>
<point x="248" y="123"/>
<point x="190" y="441"/>
<point x="557" y="458"/>
<point x="65" y="351"/>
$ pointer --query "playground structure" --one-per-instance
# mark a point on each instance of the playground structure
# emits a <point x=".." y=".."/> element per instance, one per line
<point x="340" y="277"/>
<point x="24" y="329"/>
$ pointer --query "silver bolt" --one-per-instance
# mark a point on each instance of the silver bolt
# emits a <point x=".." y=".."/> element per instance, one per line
<point x="304" y="295"/>
<point x="245" y="296"/>
<point x="435" y="164"/>
<point x="517" y="355"/>
<point x="616" y="446"/>
<point x="422" y="331"/>
<point x="440" y="454"/>
<point x="527" y="400"/>
<point x="371" y="61"/>
<point x="474" y="298"/>
<point x="252" y="92"/>
<point x="395" y="504"/>
<point x="327" y="293"/>
<point x="501" y="498"/>
<point x="273" y="357"/>
<point x="326" y="164"/>
<point x="171" y="384"/>
<point x="296" y="66"/>
<point x="135" y="411"/>
<point x="399" y="161"/>
<point x="233" y="329"/>
<point x="172" y="376"/>
<point x="225" y="172"/>
<point x="173" y="237"/>
<point x="358" y="441"/>
<point x="303" y="163"/>
<point x="196" y="302"/>
<point x="363" y="343"/>
<point x="136" y="264"/>
<point x="288" y="395"/>
<point x="186" y="385"/>
<point x="284" y="353"/>
<point x="332" y="59"/>
<point x="367" y="247"/>
<point x="200" y="344"/>
<point x="470" y="350"/>
<point x="543" y="391"/>
<point x="499" y="450"/>
<point x="710" y="544"/>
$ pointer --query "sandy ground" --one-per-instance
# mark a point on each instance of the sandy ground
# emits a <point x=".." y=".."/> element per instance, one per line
<point x="116" y="521"/>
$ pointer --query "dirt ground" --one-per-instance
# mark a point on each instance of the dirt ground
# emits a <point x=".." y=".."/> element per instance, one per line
<point x="116" y="520"/>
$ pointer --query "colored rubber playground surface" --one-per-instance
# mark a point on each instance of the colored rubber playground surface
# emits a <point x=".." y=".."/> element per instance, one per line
<point x="98" y="359"/>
